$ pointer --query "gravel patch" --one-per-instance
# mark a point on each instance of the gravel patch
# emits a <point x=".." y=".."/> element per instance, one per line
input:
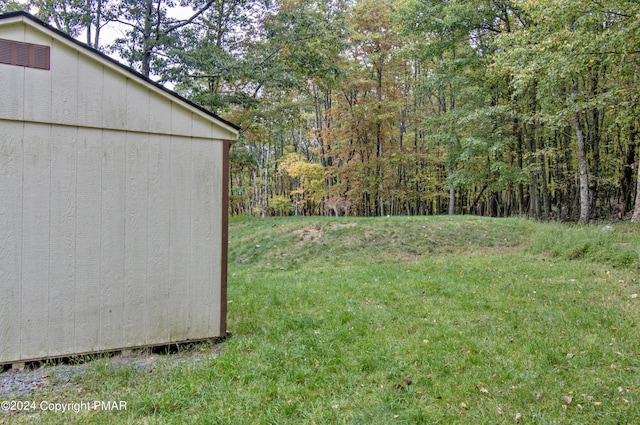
<point x="16" y="383"/>
<point x="37" y="377"/>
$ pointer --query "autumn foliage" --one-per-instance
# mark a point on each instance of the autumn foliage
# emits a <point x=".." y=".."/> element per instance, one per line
<point x="487" y="107"/>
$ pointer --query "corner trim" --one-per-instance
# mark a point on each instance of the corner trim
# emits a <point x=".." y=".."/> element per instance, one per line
<point x="225" y="237"/>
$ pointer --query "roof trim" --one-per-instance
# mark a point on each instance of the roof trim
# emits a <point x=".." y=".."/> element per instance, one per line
<point x="30" y="17"/>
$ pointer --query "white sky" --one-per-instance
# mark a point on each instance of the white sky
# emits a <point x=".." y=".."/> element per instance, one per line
<point x="114" y="30"/>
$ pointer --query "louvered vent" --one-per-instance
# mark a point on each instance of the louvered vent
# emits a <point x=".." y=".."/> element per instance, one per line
<point x="25" y="54"/>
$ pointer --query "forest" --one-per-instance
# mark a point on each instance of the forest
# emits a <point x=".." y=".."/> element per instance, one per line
<point x="406" y="107"/>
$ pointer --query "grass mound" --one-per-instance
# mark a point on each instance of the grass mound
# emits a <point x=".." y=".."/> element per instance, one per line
<point x="285" y="243"/>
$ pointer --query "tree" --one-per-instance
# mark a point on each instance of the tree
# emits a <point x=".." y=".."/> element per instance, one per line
<point x="151" y="30"/>
<point x="7" y="6"/>
<point x="455" y="42"/>
<point x="77" y="16"/>
<point x="492" y="107"/>
<point x="565" y="54"/>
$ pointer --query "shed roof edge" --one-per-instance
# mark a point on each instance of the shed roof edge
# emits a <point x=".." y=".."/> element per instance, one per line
<point x="33" y="19"/>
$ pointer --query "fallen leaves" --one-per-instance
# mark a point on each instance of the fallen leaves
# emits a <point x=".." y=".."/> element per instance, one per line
<point x="407" y="380"/>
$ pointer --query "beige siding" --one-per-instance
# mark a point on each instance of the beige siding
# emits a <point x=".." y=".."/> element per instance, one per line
<point x="203" y="127"/>
<point x="34" y="259"/>
<point x="138" y="104"/>
<point x="179" y="235"/>
<point x="219" y="133"/>
<point x="88" y="241"/>
<point x="90" y="89"/>
<point x="111" y="209"/>
<point x="181" y="120"/>
<point x="112" y="270"/>
<point x="11" y="160"/>
<point x="160" y="116"/>
<point x="136" y="237"/>
<point x="111" y="240"/>
<point x="202" y="237"/>
<point x="62" y="250"/>
<point x="158" y="301"/>
<point x="37" y="37"/>
<point x="37" y="96"/>
<point x="114" y="100"/>
<point x="14" y="31"/>
<point x="64" y="87"/>
<point x="11" y="87"/>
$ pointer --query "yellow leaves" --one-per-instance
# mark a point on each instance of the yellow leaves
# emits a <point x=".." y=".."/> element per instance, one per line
<point x="296" y="167"/>
<point x="310" y="175"/>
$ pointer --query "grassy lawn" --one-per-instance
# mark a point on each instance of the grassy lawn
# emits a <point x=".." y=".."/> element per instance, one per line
<point x="401" y="320"/>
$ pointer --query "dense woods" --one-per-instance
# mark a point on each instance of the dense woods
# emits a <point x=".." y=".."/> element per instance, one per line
<point x="488" y="107"/>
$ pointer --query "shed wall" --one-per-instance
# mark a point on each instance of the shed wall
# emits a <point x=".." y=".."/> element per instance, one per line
<point x="109" y="240"/>
<point x="112" y="209"/>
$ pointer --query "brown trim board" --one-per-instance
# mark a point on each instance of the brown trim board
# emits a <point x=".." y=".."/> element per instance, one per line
<point x="225" y="237"/>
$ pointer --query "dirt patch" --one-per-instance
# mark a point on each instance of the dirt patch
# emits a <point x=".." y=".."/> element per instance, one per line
<point x="307" y="235"/>
<point x="336" y="226"/>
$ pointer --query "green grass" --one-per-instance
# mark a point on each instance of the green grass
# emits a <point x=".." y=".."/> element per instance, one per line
<point x="490" y="318"/>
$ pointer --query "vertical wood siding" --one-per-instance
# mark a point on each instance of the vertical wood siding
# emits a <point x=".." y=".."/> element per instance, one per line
<point x="34" y="258"/>
<point x="11" y="165"/>
<point x="109" y="240"/>
<point x="86" y="297"/>
<point x="159" y="283"/>
<point x="111" y="209"/>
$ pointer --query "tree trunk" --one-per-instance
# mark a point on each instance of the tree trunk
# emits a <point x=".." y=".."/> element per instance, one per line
<point x="636" y="210"/>
<point x="584" y="176"/>
<point x="535" y="203"/>
<point x="546" y="204"/>
<point x="146" y="39"/>
<point x="98" y="24"/>
<point x="520" y="168"/>
<point x="452" y="195"/>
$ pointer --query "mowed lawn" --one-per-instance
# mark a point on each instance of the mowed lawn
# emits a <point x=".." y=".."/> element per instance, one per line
<point x="400" y="320"/>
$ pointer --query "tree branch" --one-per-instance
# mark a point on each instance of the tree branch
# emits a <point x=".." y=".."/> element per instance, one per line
<point x="190" y="19"/>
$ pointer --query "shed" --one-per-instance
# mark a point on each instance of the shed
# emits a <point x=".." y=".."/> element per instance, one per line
<point x="113" y="203"/>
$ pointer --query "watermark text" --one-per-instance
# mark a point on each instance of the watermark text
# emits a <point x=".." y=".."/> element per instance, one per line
<point x="62" y="407"/>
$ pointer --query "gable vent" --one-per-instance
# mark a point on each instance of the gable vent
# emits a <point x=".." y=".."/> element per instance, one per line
<point x="25" y="54"/>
